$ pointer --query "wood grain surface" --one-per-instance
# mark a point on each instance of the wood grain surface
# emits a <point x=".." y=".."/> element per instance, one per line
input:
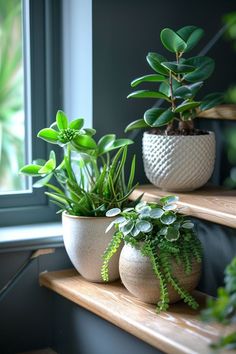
<point x="177" y="331"/>
<point x="210" y="203"/>
<point x="225" y="112"/>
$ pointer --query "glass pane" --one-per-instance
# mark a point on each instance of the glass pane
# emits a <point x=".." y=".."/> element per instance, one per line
<point x="12" y="116"/>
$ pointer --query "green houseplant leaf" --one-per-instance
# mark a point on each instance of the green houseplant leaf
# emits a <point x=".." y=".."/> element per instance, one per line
<point x="148" y="78"/>
<point x="178" y="68"/>
<point x="147" y="94"/>
<point x="172" y="41"/>
<point x="76" y="124"/>
<point x="137" y="124"/>
<point x="155" y="60"/>
<point x="49" y="135"/>
<point x="62" y="121"/>
<point x="157" y="117"/>
<point x="204" y="68"/>
<point x="211" y="101"/>
<point x="191" y="35"/>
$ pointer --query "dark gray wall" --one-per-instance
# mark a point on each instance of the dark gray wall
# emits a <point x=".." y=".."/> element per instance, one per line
<point x="124" y="32"/>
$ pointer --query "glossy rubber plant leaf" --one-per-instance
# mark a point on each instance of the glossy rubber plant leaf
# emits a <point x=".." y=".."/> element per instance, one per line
<point x="137" y="124"/>
<point x="157" y="117"/>
<point x="187" y="91"/>
<point x="148" y="78"/>
<point x="155" y="60"/>
<point x="204" y="68"/>
<point x="172" y="41"/>
<point x="49" y="135"/>
<point x="62" y="121"/>
<point x="186" y="106"/>
<point x="177" y="68"/>
<point x="165" y="87"/>
<point x="211" y="101"/>
<point x="191" y="35"/>
<point x="147" y="94"/>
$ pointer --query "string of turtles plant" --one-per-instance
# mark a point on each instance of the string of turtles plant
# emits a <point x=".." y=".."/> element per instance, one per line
<point x="88" y="180"/>
<point x="161" y="234"/>
<point x="179" y="83"/>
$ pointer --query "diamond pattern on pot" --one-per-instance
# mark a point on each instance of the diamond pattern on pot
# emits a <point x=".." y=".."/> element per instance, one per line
<point x="178" y="163"/>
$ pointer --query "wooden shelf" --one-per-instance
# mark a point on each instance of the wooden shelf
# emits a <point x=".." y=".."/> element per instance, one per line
<point x="224" y="111"/>
<point x="210" y="203"/>
<point x="176" y="331"/>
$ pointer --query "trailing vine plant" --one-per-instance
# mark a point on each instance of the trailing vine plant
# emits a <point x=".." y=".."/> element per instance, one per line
<point x="162" y="234"/>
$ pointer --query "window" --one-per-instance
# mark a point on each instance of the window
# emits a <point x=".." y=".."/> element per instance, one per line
<point x="37" y="100"/>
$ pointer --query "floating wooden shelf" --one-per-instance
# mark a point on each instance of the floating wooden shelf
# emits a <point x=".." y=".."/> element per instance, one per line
<point x="225" y="112"/>
<point x="177" y="331"/>
<point x="210" y="203"/>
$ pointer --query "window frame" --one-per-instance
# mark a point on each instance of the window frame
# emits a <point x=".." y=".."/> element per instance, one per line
<point x="42" y="31"/>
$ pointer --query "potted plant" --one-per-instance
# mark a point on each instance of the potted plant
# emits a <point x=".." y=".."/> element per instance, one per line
<point x="178" y="157"/>
<point x="89" y="181"/>
<point x="161" y="259"/>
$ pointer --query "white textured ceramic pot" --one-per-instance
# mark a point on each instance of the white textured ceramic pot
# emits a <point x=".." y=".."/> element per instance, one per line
<point x="137" y="276"/>
<point x="178" y="163"/>
<point x="85" y="242"/>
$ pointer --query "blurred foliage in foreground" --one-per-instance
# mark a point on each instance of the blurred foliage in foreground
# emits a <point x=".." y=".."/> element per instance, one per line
<point x="11" y="96"/>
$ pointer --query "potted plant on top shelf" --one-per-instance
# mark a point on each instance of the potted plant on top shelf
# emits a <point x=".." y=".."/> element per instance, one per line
<point x="178" y="157"/>
<point x="89" y="181"/>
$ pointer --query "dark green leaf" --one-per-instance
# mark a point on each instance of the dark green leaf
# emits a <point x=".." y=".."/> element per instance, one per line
<point x="147" y="94"/>
<point x="132" y="173"/>
<point x="186" y="106"/>
<point x="211" y="101"/>
<point x="172" y="41"/>
<point x="155" y="60"/>
<point x="62" y="121"/>
<point x="165" y="87"/>
<point x="49" y="135"/>
<point x="177" y="68"/>
<point x="31" y="170"/>
<point x="191" y="35"/>
<point x="172" y="234"/>
<point x="157" y="117"/>
<point x="76" y="124"/>
<point x="204" y="68"/>
<point x="147" y="78"/>
<point x="137" y="124"/>
<point x="187" y="91"/>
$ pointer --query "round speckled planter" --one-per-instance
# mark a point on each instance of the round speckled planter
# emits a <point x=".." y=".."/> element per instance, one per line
<point x="85" y="242"/>
<point x="178" y="163"/>
<point x="137" y="276"/>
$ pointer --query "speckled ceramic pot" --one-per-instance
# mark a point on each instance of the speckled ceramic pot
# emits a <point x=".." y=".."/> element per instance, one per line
<point x="85" y="242"/>
<point x="137" y="276"/>
<point x="178" y="163"/>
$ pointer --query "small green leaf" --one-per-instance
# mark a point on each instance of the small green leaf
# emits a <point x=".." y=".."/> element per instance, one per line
<point x="204" y="68"/>
<point x="169" y="199"/>
<point x="211" y="101"/>
<point x="76" y="124"/>
<point x="165" y="87"/>
<point x="90" y="131"/>
<point x="105" y="143"/>
<point x="187" y="91"/>
<point x="144" y="226"/>
<point x="48" y="167"/>
<point x="62" y="121"/>
<point x="169" y="207"/>
<point x="145" y="211"/>
<point x="168" y="218"/>
<point x="113" y="212"/>
<point x="172" y="234"/>
<point x="156" y="213"/>
<point x="163" y="231"/>
<point x="157" y="117"/>
<point x="188" y="225"/>
<point x="147" y="94"/>
<point x="186" y="105"/>
<point x="84" y="142"/>
<point x="172" y="41"/>
<point x="155" y="60"/>
<point x="42" y="181"/>
<point x="126" y="229"/>
<point x="137" y="124"/>
<point x="148" y="78"/>
<point x="191" y="35"/>
<point x="118" y="143"/>
<point x="178" y="68"/>
<point x="31" y="170"/>
<point x="49" y="135"/>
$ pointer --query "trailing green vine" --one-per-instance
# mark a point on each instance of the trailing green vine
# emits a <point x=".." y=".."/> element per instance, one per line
<point x="161" y="234"/>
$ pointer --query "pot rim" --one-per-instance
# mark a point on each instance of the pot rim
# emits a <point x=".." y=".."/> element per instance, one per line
<point x="211" y="133"/>
<point x="65" y="214"/>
